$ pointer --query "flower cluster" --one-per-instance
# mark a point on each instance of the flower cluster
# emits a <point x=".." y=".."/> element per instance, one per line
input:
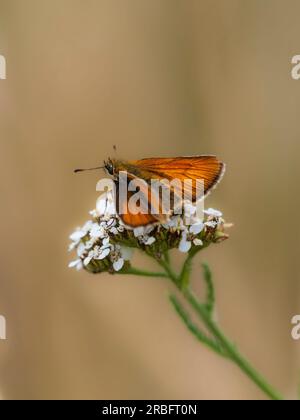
<point x="104" y="243"/>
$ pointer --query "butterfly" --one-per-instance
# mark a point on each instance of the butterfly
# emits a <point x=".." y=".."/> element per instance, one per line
<point x="203" y="167"/>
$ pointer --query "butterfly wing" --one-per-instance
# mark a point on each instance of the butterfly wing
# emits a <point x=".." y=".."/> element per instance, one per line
<point x="142" y="218"/>
<point x="204" y="167"/>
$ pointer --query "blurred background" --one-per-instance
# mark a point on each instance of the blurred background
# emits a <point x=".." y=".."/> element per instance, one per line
<point x="156" y="78"/>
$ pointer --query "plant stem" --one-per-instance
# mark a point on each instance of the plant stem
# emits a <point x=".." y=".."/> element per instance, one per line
<point x="138" y="272"/>
<point x="200" y="335"/>
<point x="187" y="266"/>
<point x="169" y="272"/>
<point x="167" y="257"/>
<point x="230" y="349"/>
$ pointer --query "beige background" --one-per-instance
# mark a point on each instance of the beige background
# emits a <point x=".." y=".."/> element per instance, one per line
<point x="154" y="77"/>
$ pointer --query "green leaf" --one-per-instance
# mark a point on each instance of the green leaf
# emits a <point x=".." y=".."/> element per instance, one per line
<point x="210" y="290"/>
<point x="200" y="335"/>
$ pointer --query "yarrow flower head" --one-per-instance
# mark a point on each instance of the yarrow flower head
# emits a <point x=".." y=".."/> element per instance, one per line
<point x="105" y="244"/>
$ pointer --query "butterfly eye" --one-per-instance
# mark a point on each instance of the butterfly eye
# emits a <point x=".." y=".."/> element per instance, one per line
<point x="109" y="167"/>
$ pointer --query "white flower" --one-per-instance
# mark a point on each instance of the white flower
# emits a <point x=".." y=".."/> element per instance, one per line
<point x="81" y="249"/>
<point x="96" y="240"/>
<point x="211" y="223"/>
<point x="174" y="223"/>
<point x="196" y="228"/>
<point x="97" y="231"/>
<point x="72" y="246"/>
<point x="77" y="235"/>
<point x="189" y="233"/>
<point x="93" y="213"/>
<point x="103" y="253"/>
<point x="213" y="212"/>
<point x="87" y="226"/>
<point x="89" y="258"/>
<point x="150" y="240"/>
<point x="197" y="242"/>
<point x="189" y="209"/>
<point x="114" y="231"/>
<point x="139" y="231"/>
<point x="105" y="242"/>
<point x="97" y="253"/>
<point x="184" y="245"/>
<point x="77" y="264"/>
<point x="142" y="234"/>
<point x="120" y="254"/>
<point x="105" y="205"/>
<point x="118" y="264"/>
<point x="148" y="229"/>
<point x="170" y="223"/>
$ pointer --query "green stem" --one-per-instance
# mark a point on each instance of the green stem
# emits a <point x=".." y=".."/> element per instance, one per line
<point x="187" y="266"/>
<point x="170" y="273"/>
<point x="210" y="290"/>
<point x="230" y="349"/>
<point x="167" y="257"/>
<point x="205" y="315"/>
<point x="138" y="272"/>
<point x="200" y="335"/>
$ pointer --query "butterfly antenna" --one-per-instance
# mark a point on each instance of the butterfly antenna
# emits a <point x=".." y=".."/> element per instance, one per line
<point x="88" y="169"/>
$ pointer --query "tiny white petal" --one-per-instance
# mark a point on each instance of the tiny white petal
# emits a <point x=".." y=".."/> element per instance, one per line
<point x="96" y="231"/>
<point x="110" y="209"/>
<point x="72" y="246"/>
<point x="213" y="212"/>
<point x="118" y="264"/>
<point x="211" y="224"/>
<point x="105" y="242"/>
<point x="77" y="235"/>
<point x="79" y="266"/>
<point x="139" y="231"/>
<point x="105" y="205"/>
<point x="81" y="249"/>
<point x="196" y="228"/>
<point x="184" y="245"/>
<point x="150" y="240"/>
<point x="103" y="254"/>
<point x="101" y="205"/>
<point x="197" y="242"/>
<point x="189" y="209"/>
<point x="114" y="231"/>
<point x="148" y="229"/>
<point x="87" y="226"/>
<point x="87" y="260"/>
<point x="76" y="263"/>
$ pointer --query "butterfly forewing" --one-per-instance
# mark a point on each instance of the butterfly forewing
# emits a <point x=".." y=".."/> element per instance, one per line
<point x="205" y="168"/>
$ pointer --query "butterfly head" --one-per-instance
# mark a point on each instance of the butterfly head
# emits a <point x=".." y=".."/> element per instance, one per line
<point x="109" y="166"/>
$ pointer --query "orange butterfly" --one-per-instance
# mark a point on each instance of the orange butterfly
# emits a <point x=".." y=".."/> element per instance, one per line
<point x="204" y="167"/>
